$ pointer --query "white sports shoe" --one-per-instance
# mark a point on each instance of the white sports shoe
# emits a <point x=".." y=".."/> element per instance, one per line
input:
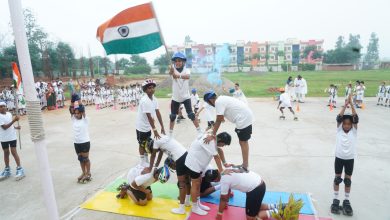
<point x="203" y="207"/>
<point x="178" y="211"/>
<point x="195" y="209"/>
<point x="19" y="174"/>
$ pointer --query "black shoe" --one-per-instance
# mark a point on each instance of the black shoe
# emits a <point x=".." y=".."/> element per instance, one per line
<point x="335" y="207"/>
<point x="347" y="208"/>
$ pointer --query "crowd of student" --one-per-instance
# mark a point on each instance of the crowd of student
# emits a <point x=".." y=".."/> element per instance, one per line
<point x="196" y="176"/>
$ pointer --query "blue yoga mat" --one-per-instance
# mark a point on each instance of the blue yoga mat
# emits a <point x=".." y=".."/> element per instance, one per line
<point x="270" y="197"/>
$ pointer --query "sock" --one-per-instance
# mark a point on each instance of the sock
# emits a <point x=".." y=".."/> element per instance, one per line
<point x="181" y="206"/>
<point x="141" y="157"/>
<point x="336" y="194"/>
<point x="195" y="205"/>
<point x="146" y="158"/>
<point x="217" y="187"/>
<point x="187" y="199"/>
<point x="346" y="196"/>
<point x="170" y="132"/>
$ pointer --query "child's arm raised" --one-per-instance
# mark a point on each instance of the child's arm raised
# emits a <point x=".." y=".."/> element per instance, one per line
<point x="355" y="117"/>
<point x="339" y="117"/>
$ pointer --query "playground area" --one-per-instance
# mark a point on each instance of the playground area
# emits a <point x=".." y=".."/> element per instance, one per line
<point x="291" y="156"/>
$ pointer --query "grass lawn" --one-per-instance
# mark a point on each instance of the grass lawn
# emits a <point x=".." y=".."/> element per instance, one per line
<point x="256" y="85"/>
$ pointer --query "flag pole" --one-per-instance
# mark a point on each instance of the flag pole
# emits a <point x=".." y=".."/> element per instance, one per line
<point x="161" y="34"/>
<point x="34" y="113"/>
<point x="16" y="103"/>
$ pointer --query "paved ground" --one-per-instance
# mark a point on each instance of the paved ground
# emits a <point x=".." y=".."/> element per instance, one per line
<point x="291" y="156"/>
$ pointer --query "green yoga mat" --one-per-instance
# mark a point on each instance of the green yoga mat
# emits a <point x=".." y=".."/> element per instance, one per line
<point x="165" y="191"/>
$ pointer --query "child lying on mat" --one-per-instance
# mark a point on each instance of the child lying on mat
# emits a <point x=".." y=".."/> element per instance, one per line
<point x="247" y="182"/>
<point x="139" y="181"/>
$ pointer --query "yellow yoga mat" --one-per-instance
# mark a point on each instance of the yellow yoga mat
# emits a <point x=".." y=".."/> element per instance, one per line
<point x="157" y="208"/>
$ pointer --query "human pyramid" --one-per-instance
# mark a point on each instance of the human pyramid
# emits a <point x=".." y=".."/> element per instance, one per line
<point x="196" y="177"/>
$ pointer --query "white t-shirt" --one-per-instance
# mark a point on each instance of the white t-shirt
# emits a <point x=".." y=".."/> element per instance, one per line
<point x="238" y="94"/>
<point x="146" y="105"/>
<point x="180" y="87"/>
<point x="244" y="182"/>
<point x="236" y="112"/>
<point x="209" y="111"/>
<point x="80" y="130"/>
<point x="169" y="146"/>
<point x="346" y="143"/>
<point x="143" y="180"/>
<point x="10" y="133"/>
<point x="200" y="154"/>
<point x="195" y="100"/>
<point x="285" y="99"/>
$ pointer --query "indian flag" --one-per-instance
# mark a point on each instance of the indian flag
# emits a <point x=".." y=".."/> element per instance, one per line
<point x="17" y="78"/>
<point x="132" y="31"/>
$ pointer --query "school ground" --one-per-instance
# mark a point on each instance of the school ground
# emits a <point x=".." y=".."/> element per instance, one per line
<point x="291" y="156"/>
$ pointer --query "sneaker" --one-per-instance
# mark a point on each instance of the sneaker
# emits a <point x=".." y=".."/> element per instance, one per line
<point x="195" y="209"/>
<point x="19" y="173"/>
<point x="178" y="211"/>
<point x="335" y="207"/>
<point x="203" y="207"/>
<point x="6" y="173"/>
<point x="347" y="208"/>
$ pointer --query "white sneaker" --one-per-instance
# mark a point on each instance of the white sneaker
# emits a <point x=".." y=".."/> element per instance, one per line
<point x="178" y="211"/>
<point x="203" y="207"/>
<point x="19" y="174"/>
<point x="198" y="211"/>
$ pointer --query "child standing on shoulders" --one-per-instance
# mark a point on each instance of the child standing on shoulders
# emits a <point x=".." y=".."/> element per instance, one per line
<point x="81" y="138"/>
<point x="345" y="153"/>
<point x="8" y="140"/>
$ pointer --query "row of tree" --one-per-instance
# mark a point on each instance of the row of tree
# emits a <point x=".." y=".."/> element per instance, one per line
<point x="52" y="59"/>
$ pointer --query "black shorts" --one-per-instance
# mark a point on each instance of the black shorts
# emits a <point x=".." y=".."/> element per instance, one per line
<point x="204" y="185"/>
<point x="210" y="123"/>
<point x="193" y="174"/>
<point x="82" y="148"/>
<point x="181" y="168"/>
<point x="244" y="134"/>
<point x="176" y="105"/>
<point x="143" y="136"/>
<point x="8" y="144"/>
<point x="339" y="164"/>
<point x="139" y="195"/>
<point x="254" y="199"/>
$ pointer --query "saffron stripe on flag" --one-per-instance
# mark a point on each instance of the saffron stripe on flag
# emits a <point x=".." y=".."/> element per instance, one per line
<point x="136" y="29"/>
<point x="134" y="45"/>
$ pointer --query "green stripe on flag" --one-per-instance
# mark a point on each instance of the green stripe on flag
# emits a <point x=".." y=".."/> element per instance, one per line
<point x="134" y="45"/>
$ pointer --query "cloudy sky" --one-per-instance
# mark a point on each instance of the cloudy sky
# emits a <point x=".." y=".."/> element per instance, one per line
<point x="220" y="21"/>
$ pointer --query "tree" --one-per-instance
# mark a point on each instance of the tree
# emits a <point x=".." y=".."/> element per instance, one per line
<point x="340" y="42"/>
<point x="163" y="62"/>
<point x="123" y="63"/>
<point x="372" y="56"/>
<point x="66" y="58"/>
<point x="345" y="53"/>
<point x="354" y="47"/>
<point x="139" y="65"/>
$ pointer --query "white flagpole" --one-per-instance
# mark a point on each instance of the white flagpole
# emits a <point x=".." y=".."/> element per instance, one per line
<point x="33" y="108"/>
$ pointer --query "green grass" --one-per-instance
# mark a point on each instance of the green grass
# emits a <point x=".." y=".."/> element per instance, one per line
<point x="256" y="85"/>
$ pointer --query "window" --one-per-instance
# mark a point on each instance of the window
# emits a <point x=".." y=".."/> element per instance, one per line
<point x="234" y="58"/>
<point x="288" y="48"/>
<point x="288" y="57"/>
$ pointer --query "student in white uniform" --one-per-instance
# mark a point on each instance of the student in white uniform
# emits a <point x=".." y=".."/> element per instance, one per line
<point x="285" y="102"/>
<point x="381" y="93"/>
<point x="8" y="140"/>
<point x="139" y="180"/>
<point x="387" y="96"/>
<point x="147" y="112"/>
<point x="198" y="158"/>
<point x="289" y="88"/>
<point x="300" y="88"/>
<point x="209" y="113"/>
<point x="180" y="91"/>
<point x="177" y="153"/>
<point x="250" y="183"/>
<point x="238" y="94"/>
<point x="82" y="142"/>
<point x="195" y="100"/>
<point x="345" y="153"/>
<point x="348" y="92"/>
<point x="236" y="112"/>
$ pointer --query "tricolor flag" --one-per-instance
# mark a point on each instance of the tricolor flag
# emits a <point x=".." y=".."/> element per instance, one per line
<point x="17" y="78"/>
<point x="132" y="31"/>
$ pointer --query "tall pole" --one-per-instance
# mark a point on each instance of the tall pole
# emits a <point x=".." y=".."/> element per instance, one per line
<point x="34" y="113"/>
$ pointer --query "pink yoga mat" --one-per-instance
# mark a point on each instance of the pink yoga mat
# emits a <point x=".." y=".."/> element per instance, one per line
<point x="236" y="213"/>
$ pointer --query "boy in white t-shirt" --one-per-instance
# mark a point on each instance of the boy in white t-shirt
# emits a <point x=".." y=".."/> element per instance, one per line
<point x="82" y="143"/>
<point x="139" y="180"/>
<point x="180" y="91"/>
<point x="238" y="113"/>
<point x="195" y="100"/>
<point x="198" y="158"/>
<point x="209" y="113"/>
<point x="238" y="94"/>
<point x="381" y="93"/>
<point x="250" y="183"/>
<point x="345" y="154"/>
<point x="387" y="96"/>
<point x="285" y="102"/>
<point x="8" y="140"/>
<point x="148" y="110"/>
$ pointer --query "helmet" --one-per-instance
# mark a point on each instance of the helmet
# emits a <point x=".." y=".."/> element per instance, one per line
<point x="281" y="89"/>
<point x="80" y="108"/>
<point x="224" y="137"/>
<point x="179" y="55"/>
<point x="75" y="97"/>
<point x="231" y="90"/>
<point x="193" y="90"/>
<point x="210" y="175"/>
<point x="163" y="175"/>
<point x="170" y="163"/>
<point x="208" y="95"/>
<point x="147" y="83"/>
